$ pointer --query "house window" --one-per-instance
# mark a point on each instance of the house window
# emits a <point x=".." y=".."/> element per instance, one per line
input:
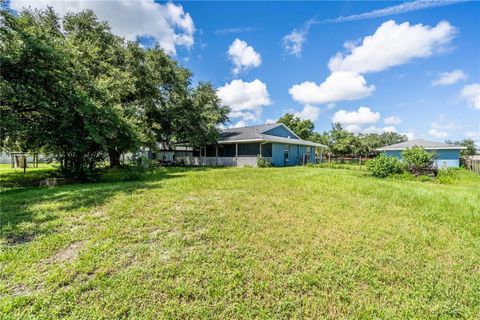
<point x="285" y="154"/>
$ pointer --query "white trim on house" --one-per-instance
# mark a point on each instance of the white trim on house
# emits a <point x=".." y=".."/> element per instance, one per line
<point x="280" y="140"/>
<point x="426" y="148"/>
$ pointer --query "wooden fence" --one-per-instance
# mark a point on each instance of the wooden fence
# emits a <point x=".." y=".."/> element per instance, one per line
<point x="473" y="165"/>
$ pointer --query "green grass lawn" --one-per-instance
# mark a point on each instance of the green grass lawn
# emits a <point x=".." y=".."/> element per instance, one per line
<point x="242" y="243"/>
<point x="15" y="177"/>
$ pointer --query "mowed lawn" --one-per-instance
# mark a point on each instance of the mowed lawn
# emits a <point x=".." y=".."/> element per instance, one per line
<point x="242" y="243"/>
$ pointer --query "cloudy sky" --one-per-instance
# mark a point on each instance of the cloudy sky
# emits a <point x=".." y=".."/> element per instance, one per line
<point x="410" y="67"/>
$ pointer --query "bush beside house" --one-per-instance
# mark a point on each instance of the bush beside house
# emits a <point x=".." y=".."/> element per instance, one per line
<point x="384" y="166"/>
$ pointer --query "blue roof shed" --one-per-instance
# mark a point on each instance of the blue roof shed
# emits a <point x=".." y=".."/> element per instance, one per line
<point x="446" y="155"/>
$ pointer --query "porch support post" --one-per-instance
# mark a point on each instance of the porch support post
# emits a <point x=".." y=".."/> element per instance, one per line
<point x="236" y="153"/>
<point x="216" y="155"/>
<point x="260" y="154"/>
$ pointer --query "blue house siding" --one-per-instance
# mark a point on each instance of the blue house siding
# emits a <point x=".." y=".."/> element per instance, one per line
<point x="277" y="154"/>
<point x="443" y="157"/>
<point x="280" y="132"/>
<point x="394" y="153"/>
<point x="295" y="154"/>
<point x="447" y="158"/>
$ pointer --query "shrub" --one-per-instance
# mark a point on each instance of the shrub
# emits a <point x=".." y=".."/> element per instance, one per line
<point x="138" y="166"/>
<point x="447" y="176"/>
<point x="263" y="163"/>
<point x="384" y="166"/>
<point x="419" y="161"/>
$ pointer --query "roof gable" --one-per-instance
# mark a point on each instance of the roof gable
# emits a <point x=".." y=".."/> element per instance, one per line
<point x="281" y="131"/>
<point x="275" y="132"/>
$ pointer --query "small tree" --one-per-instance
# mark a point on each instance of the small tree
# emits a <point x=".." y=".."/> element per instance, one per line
<point x="418" y="160"/>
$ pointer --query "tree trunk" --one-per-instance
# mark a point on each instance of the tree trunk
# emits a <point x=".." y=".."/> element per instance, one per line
<point x="114" y="156"/>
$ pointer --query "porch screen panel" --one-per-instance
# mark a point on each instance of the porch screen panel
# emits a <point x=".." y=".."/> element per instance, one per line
<point x="229" y="150"/>
<point x="267" y="150"/>
<point x="248" y="149"/>
<point x="210" y="151"/>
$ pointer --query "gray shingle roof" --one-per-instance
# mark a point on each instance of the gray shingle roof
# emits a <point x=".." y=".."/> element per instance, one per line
<point x="428" y="145"/>
<point x="256" y="133"/>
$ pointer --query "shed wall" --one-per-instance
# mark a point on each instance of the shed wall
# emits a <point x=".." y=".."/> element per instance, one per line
<point x="443" y="158"/>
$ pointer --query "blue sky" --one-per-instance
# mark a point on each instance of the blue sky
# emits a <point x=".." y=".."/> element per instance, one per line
<point x="411" y="67"/>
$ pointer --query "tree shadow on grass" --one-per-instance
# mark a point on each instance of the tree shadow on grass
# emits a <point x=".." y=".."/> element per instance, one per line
<point x="22" y="217"/>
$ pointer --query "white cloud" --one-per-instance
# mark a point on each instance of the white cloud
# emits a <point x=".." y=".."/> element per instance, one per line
<point x="410" y="134"/>
<point x="330" y="106"/>
<point x="245" y="99"/>
<point x="239" y="124"/>
<point x="392" y="120"/>
<point x="167" y="23"/>
<point x="353" y="128"/>
<point x="234" y="30"/>
<point x="393" y="44"/>
<point x="448" y="125"/>
<point x="446" y="78"/>
<point x="309" y="113"/>
<point x="471" y="93"/>
<point x="293" y="42"/>
<point x="437" y="133"/>
<point x="353" y="120"/>
<point x="396" y="9"/>
<point x="374" y="129"/>
<point x="270" y="121"/>
<point x="243" y="56"/>
<point x="475" y="135"/>
<point x="389" y="129"/>
<point x="337" y="87"/>
<point x="246" y="115"/>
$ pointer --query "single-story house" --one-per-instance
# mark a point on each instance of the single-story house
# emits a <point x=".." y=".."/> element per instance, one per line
<point x="240" y="146"/>
<point x="446" y="155"/>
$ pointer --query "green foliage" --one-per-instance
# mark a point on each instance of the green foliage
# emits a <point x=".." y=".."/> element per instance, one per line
<point x="384" y="166"/>
<point x="417" y="157"/>
<point x="302" y="128"/>
<point x="341" y="142"/>
<point x="369" y="143"/>
<point x="447" y="176"/>
<point x="468" y="143"/>
<point x="138" y="166"/>
<point x="73" y="89"/>
<point x="263" y="163"/>
<point x="197" y="122"/>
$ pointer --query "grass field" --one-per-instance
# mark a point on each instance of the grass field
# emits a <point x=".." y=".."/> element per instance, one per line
<point x="242" y="243"/>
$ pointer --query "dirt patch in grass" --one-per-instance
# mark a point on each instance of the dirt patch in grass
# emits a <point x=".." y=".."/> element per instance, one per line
<point x="20" y="290"/>
<point x="67" y="254"/>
